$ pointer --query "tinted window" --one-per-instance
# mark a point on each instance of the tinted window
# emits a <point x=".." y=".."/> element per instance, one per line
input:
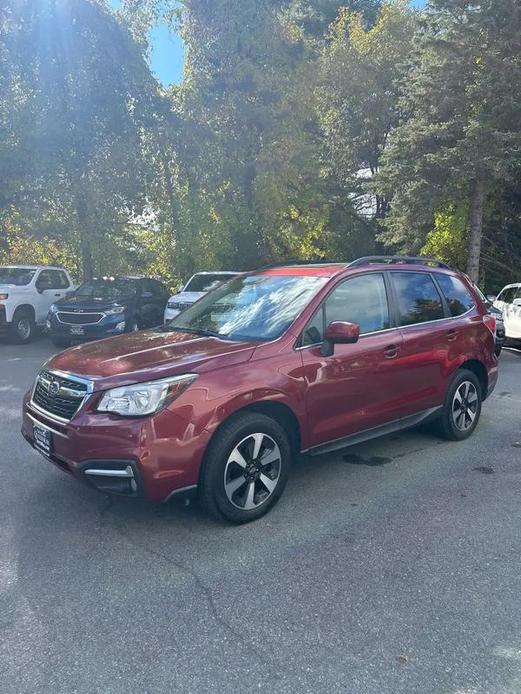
<point x="49" y="279"/>
<point x="417" y="298"/>
<point x="458" y="296"/>
<point x="205" y="283"/>
<point x="507" y="295"/>
<point x="16" y="275"/>
<point x="107" y="290"/>
<point x="361" y="300"/>
<point x="251" y="307"/>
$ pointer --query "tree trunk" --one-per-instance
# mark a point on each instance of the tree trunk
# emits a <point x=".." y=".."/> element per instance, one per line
<point x="475" y="230"/>
<point x="85" y="240"/>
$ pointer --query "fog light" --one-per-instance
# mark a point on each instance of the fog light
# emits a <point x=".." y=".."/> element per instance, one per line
<point x="120" y="326"/>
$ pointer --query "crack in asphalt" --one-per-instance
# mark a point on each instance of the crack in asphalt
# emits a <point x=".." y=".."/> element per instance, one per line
<point x="189" y="570"/>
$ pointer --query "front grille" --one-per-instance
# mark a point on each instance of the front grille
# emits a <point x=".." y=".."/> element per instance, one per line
<point x="79" y="318"/>
<point x="57" y="395"/>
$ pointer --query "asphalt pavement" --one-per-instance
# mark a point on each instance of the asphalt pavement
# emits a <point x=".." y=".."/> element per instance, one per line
<point x="393" y="566"/>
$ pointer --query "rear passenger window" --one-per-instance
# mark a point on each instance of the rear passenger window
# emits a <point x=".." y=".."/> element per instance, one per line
<point x="458" y="296"/>
<point x="417" y="297"/>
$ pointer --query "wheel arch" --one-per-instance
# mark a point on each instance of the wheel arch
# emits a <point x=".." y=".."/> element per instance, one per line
<point x="276" y="410"/>
<point x="479" y="370"/>
<point x="25" y="307"/>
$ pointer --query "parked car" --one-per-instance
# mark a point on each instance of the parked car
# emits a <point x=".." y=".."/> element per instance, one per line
<point x="26" y="292"/>
<point x="196" y="287"/>
<point x="296" y="358"/>
<point x="508" y="302"/>
<point x="106" y="307"/>
<point x="498" y="315"/>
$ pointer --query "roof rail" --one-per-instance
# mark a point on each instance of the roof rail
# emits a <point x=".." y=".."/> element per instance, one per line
<point x="390" y="259"/>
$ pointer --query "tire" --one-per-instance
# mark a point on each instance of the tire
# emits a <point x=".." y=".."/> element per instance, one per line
<point x="132" y="326"/>
<point x="23" y="327"/>
<point x="61" y="341"/>
<point x="230" y="459"/>
<point x="456" y="422"/>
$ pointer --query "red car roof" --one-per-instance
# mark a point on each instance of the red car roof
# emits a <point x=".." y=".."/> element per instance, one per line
<point x="325" y="270"/>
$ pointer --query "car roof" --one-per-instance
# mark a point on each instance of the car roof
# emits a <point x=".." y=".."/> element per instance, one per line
<point x="31" y="267"/>
<point x="217" y="272"/>
<point x="312" y="270"/>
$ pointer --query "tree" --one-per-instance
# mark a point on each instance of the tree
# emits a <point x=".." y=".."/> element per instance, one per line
<point x="461" y="136"/>
<point x="81" y="100"/>
<point x="359" y="93"/>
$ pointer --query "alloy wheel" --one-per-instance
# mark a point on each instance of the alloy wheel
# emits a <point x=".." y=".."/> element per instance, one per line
<point x="23" y="328"/>
<point x="252" y="471"/>
<point x="465" y="406"/>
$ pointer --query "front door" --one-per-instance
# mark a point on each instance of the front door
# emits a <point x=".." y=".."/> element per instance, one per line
<point x="361" y="385"/>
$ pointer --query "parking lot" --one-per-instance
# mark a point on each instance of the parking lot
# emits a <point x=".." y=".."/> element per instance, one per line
<point x="392" y="566"/>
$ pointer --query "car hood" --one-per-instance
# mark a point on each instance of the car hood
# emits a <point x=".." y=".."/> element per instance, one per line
<point x="75" y="303"/>
<point x="187" y="297"/>
<point x="148" y="355"/>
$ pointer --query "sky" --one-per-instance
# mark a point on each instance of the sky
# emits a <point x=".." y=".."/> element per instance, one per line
<point x="168" y="51"/>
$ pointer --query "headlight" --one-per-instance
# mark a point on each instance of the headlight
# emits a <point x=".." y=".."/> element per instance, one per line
<point x="114" y="310"/>
<point x="53" y="308"/>
<point x="3" y="297"/>
<point x="144" y="398"/>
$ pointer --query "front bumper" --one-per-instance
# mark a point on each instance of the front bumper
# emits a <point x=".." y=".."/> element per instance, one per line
<point x="156" y="457"/>
<point x="107" y="327"/>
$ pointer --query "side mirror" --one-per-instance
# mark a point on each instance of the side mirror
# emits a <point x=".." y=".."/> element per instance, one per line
<point x="339" y="332"/>
<point x="491" y="298"/>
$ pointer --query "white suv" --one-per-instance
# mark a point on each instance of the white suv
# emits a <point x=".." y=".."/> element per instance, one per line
<point x="26" y="294"/>
<point x="508" y="302"/>
<point x="197" y="286"/>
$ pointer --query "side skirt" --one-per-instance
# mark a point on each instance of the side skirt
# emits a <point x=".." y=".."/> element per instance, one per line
<point x="375" y="432"/>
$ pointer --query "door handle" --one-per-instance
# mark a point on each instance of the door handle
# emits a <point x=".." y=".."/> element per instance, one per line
<point x="391" y="351"/>
<point x="452" y="335"/>
<point x="57" y="295"/>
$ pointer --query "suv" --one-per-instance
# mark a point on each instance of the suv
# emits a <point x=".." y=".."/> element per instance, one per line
<point x="508" y="302"/>
<point x="196" y="287"/>
<point x="26" y="292"/>
<point x="106" y="307"/>
<point x="283" y="360"/>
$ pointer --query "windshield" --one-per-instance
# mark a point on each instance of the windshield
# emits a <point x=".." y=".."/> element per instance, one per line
<point x="255" y="307"/>
<point x="205" y="283"/>
<point x="106" y="290"/>
<point x="18" y="276"/>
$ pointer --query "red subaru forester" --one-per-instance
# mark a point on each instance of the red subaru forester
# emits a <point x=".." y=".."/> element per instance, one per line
<point x="287" y="359"/>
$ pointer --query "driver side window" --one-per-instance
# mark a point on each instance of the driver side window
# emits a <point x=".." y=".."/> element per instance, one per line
<point x="361" y="300"/>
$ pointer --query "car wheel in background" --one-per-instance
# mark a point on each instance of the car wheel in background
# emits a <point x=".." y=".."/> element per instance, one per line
<point x="23" y="327"/>
<point x="132" y="326"/>
<point x="462" y="407"/>
<point x="246" y="468"/>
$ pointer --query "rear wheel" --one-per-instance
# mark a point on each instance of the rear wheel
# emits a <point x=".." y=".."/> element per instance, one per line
<point x="23" y="327"/>
<point x="462" y="407"/>
<point x="246" y="468"/>
<point x="132" y="326"/>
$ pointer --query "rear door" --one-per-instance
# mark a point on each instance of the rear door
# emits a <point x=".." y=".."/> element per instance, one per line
<point x="361" y="385"/>
<point x="428" y="332"/>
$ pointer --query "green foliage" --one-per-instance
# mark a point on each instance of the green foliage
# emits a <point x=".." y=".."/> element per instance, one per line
<point x="449" y="238"/>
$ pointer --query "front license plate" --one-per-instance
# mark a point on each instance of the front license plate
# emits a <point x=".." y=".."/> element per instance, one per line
<point x="77" y="331"/>
<point x="42" y="440"/>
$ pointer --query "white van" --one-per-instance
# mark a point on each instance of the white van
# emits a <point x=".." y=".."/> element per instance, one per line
<point x="508" y="301"/>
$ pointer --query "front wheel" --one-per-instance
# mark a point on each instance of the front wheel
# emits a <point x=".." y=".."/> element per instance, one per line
<point x="462" y="407"/>
<point x="23" y="327"/>
<point x="246" y="468"/>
